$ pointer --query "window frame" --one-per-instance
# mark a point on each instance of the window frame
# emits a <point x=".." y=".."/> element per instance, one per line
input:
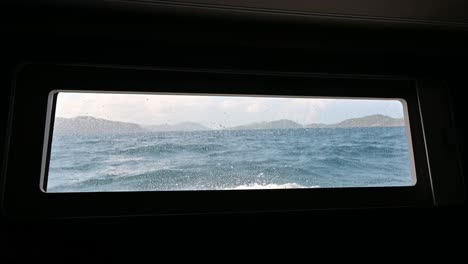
<point x="34" y="82"/>
<point x="52" y="103"/>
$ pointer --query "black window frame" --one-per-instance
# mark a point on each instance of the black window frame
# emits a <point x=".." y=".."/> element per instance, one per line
<point x="34" y="82"/>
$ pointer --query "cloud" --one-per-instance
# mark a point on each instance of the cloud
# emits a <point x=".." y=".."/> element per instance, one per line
<point x="214" y="111"/>
<point x="254" y="107"/>
<point x="156" y="109"/>
<point x="229" y="103"/>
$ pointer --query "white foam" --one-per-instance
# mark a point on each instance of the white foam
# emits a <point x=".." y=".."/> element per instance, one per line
<point x="258" y="186"/>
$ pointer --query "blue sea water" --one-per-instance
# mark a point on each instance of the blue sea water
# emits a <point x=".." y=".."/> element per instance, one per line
<point x="220" y="160"/>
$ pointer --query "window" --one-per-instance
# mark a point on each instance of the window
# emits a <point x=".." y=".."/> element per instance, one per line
<point x="105" y="141"/>
<point x="169" y="142"/>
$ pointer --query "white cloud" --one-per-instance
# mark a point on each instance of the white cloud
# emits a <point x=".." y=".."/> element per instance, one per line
<point x="254" y="107"/>
<point x="214" y="110"/>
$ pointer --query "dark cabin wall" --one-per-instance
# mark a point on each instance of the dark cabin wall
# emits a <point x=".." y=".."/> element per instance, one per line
<point x="151" y="36"/>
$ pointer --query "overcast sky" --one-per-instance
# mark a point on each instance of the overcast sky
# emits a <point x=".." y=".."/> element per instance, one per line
<point x="213" y="111"/>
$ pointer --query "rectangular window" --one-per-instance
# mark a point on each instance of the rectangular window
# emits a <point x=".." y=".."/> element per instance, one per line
<point x="168" y="142"/>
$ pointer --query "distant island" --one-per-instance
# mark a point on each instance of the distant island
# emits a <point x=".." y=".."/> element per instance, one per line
<point x="88" y="125"/>
<point x="184" y="126"/>
<point x="92" y="125"/>
<point x="366" y="121"/>
<point x="279" y="124"/>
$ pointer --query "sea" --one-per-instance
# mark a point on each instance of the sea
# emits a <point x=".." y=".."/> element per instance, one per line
<point x="230" y="160"/>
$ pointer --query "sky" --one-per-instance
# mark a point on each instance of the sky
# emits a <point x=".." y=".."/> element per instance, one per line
<point x="216" y="111"/>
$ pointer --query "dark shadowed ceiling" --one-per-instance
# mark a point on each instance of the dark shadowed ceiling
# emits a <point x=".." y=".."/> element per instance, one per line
<point x="451" y="11"/>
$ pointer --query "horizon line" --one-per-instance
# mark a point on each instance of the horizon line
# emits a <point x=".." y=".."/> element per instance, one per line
<point x="257" y="122"/>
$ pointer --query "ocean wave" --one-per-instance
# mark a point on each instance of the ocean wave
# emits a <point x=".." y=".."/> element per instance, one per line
<point x="173" y="148"/>
<point x="350" y="162"/>
<point x="80" y="167"/>
<point x="238" y="160"/>
<point x="258" y="186"/>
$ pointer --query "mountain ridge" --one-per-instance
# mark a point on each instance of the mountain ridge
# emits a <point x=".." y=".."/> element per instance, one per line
<point x="89" y="124"/>
<point x="277" y="124"/>
<point x="182" y="126"/>
<point x="365" y="121"/>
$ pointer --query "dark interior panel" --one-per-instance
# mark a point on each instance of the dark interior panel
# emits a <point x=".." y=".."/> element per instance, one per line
<point x="357" y="42"/>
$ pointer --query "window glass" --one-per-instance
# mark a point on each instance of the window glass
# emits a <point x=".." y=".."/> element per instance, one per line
<point x="168" y="142"/>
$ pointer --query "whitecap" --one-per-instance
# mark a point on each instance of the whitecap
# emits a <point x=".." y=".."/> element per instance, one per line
<point x="258" y="186"/>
